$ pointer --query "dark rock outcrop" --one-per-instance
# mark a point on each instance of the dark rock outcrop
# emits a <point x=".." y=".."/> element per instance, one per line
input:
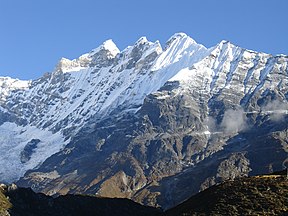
<point x="28" y="150"/>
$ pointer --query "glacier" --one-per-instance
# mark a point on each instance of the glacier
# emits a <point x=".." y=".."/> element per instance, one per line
<point x="14" y="138"/>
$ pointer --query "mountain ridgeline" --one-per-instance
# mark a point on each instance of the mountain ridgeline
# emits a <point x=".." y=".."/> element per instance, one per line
<point x="151" y="124"/>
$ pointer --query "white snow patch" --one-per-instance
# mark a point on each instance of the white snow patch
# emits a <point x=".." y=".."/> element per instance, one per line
<point x="8" y="84"/>
<point x="13" y="139"/>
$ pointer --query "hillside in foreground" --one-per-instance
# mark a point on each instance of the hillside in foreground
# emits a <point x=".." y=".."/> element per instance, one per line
<point x="25" y="202"/>
<point x="259" y="195"/>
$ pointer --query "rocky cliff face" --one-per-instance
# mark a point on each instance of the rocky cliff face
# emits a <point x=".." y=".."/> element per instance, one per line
<point x="151" y="124"/>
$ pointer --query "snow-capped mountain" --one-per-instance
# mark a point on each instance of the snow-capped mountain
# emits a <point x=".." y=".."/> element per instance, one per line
<point x="140" y="122"/>
<point x="94" y="85"/>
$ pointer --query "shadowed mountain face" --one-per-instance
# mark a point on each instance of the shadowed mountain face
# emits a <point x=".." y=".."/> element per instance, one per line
<point x="150" y="124"/>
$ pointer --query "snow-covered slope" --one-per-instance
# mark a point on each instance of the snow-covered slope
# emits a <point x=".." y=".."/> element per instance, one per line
<point x="8" y="84"/>
<point x="14" y="140"/>
<point x="184" y="77"/>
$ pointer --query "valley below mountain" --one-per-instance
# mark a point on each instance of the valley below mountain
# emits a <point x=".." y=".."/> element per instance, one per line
<point x="151" y="124"/>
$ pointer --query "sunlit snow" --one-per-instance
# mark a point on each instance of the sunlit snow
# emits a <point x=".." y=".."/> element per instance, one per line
<point x="13" y="139"/>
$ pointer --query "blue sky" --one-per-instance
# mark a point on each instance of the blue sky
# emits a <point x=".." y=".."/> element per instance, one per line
<point x="35" y="34"/>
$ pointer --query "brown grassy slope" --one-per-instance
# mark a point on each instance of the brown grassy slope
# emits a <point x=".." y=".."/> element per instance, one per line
<point x="4" y="203"/>
<point x="259" y="195"/>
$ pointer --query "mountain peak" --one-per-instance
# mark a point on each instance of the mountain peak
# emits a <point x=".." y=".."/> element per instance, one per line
<point x="179" y="35"/>
<point x="180" y="38"/>
<point x="108" y="46"/>
<point x="141" y="40"/>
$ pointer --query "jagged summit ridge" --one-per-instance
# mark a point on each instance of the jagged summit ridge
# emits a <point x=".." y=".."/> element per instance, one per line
<point x="110" y="49"/>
